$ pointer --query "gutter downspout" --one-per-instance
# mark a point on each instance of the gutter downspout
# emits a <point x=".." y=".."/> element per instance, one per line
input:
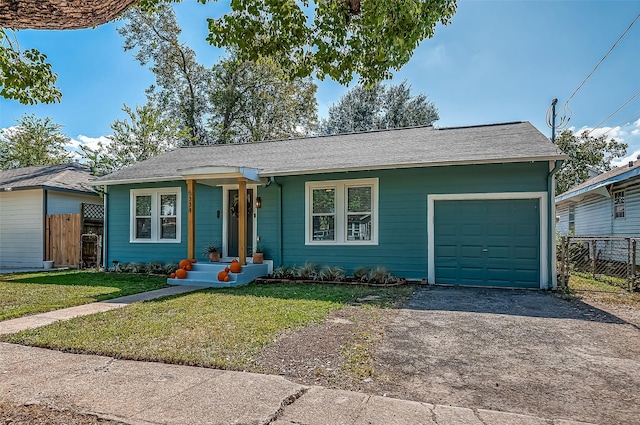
<point x="104" y="232"/>
<point x="551" y="237"/>
<point x="280" y="250"/>
<point x="45" y="210"/>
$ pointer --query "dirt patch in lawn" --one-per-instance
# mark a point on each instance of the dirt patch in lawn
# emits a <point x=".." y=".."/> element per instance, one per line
<point x="526" y="352"/>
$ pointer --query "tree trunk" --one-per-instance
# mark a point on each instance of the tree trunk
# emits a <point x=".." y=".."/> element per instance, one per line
<point x="59" y="14"/>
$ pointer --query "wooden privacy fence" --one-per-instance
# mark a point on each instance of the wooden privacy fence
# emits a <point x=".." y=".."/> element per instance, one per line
<point x="75" y="240"/>
<point x="63" y="244"/>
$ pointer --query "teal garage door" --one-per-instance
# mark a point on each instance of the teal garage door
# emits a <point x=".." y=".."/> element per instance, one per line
<point x="487" y="242"/>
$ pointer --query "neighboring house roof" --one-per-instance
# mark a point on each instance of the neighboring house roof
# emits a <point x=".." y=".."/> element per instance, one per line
<point x="398" y="148"/>
<point x="65" y="177"/>
<point x="599" y="182"/>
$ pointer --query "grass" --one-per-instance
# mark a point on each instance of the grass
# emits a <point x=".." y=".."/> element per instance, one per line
<point x="585" y="287"/>
<point x="213" y="328"/>
<point x="22" y="294"/>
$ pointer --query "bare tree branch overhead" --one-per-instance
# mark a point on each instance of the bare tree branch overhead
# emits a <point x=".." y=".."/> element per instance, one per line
<point x="59" y="14"/>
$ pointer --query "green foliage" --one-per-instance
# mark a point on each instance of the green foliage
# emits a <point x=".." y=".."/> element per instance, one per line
<point x="182" y="84"/>
<point x="236" y="101"/>
<point x="334" y="38"/>
<point x="146" y="135"/>
<point x="585" y="152"/>
<point x="33" y="141"/>
<point x="25" y="76"/>
<point x="332" y="274"/>
<point x="308" y="272"/>
<point x="252" y="102"/>
<point x="379" y="107"/>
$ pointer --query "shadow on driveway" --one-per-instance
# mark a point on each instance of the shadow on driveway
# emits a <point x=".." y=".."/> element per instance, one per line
<point x="513" y="302"/>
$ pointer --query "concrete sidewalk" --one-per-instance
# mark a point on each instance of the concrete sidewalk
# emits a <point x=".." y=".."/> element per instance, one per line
<point x="154" y="393"/>
<point x="43" y="319"/>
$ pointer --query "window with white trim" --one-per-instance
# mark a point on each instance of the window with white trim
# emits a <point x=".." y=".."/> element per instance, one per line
<point x="618" y="204"/>
<point x="572" y="219"/>
<point x="155" y="215"/>
<point x="342" y="212"/>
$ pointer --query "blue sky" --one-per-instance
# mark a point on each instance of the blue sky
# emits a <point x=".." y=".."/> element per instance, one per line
<point x="498" y="61"/>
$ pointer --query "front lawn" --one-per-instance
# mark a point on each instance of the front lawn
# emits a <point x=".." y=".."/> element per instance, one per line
<point x="22" y="294"/>
<point x="215" y="328"/>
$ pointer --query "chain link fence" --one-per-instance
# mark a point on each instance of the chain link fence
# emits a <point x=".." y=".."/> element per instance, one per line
<point x="606" y="259"/>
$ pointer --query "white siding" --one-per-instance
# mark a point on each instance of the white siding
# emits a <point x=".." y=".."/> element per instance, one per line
<point x="68" y="203"/>
<point x="593" y="216"/>
<point x="562" y="226"/>
<point x="630" y="224"/>
<point x="21" y="228"/>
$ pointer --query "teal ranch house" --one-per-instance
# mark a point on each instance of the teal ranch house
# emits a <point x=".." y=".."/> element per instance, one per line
<point x="461" y="206"/>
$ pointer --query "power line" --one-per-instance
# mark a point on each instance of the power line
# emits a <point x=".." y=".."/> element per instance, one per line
<point x="602" y="60"/>
<point x="616" y="111"/>
<point x="629" y="118"/>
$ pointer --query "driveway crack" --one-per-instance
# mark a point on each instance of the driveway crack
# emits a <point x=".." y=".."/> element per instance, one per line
<point x="283" y="405"/>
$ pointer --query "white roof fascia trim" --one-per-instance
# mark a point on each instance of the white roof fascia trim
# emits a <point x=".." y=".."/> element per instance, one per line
<point x="410" y="165"/>
<point x="610" y="180"/>
<point x="138" y="180"/>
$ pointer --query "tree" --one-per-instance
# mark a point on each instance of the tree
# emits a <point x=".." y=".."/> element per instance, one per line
<point x="585" y="152"/>
<point x="331" y="38"/>
<point x="253" y="102"/>
<point x="34" y="141"/>
<point x="146" y="135"/>
<point x="236" y="101"/>
<point x="25" y="76"/>
<point x="379" y="107"/>
<point x="182" y="84"/>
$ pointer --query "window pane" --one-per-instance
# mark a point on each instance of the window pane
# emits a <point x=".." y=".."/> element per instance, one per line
<point x="143" y="205"/>
<point x="359" y="199"/>
<point x="359" y="227"/>
<point x="323" y="228"/>
<point x="324" y="201"/>
<point x="168" y="205"/>
<point x="143" y="228"/>
<point x="168" y="228"/>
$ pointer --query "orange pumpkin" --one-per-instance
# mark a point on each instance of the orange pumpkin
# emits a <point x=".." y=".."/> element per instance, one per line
<point x="226" y="278"/>
<point x="183" y="264"/>
<point x="188" y="267"/>
<point x="181" y="273"/>
<point x="223" y="275"/>
<point x="172" y="275"/>
<point x="235" y="267"/>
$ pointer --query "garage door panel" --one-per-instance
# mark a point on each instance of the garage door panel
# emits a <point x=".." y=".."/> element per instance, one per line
<point x="487" y="242"/>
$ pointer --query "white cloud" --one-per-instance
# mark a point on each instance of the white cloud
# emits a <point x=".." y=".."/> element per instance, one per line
<point x="624" y="161"/>
<point x="92" y="142"/>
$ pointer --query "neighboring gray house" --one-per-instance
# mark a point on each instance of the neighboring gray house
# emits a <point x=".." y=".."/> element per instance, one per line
<point x="27" y="196"/>
<point x="605" y="205"/>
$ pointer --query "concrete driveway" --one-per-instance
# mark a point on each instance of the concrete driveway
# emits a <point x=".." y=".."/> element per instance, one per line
<point x="521" y="351"/>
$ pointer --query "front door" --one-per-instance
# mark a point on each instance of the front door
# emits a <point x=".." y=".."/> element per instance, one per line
<point x="232" y="227"/>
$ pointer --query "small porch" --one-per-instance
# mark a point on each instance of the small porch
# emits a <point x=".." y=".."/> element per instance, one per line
<point x="206" y="275"/>
<point x="238" y="232"/>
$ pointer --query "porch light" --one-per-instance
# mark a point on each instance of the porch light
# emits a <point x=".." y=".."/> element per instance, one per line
<point x="258" y="202"/>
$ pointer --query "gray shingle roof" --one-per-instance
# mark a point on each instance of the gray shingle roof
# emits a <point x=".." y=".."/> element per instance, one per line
<point x="72" y="176"/>
<point x="398" y="148"/>
<point x="603" y="178"/>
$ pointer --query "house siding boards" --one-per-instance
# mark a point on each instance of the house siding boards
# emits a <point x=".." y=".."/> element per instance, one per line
<point x="208" y="226"/>
<point x="21" y="228"/>
<point x="68" y="203"/>
<point x="630" y="224"/>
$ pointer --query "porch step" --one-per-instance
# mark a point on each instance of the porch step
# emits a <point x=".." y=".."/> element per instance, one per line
<point x="206" y="275"/>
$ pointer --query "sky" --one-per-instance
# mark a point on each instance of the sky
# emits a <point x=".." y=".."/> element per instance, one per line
<point x="497" y="61"/>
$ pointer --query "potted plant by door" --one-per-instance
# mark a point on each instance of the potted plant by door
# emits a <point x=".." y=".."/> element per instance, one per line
<point x="258" y="254"/>
<point x="211" y="251"/>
